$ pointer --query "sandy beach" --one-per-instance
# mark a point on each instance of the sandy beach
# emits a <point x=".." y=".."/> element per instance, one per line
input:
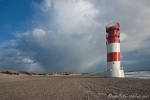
<point x="72" y="87"/>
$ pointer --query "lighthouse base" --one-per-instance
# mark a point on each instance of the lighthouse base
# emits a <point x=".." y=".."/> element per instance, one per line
<point x="114" y="73"/>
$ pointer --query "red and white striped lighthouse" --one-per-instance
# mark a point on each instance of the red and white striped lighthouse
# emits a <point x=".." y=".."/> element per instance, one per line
<point x="113" y="51"/>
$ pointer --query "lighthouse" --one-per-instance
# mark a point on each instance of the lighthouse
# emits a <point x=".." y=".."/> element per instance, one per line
<point x="113" y="51"/>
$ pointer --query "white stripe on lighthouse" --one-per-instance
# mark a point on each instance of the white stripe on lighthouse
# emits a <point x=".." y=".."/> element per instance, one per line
<point x="114" y="65"/>
<point x="113" y="47"/>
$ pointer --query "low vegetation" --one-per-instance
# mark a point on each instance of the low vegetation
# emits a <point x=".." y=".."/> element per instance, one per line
<point x="15" y="72"/>
<point x="9" y="72"/>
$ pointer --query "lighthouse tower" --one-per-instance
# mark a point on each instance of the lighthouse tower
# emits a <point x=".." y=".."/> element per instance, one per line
<point x="113" y="51"/>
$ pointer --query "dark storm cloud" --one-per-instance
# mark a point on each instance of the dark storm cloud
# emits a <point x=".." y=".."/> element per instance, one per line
<point x="57" y="53"/>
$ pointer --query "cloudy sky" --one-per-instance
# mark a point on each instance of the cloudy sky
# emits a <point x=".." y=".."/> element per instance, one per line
<point x="69" y="35"/>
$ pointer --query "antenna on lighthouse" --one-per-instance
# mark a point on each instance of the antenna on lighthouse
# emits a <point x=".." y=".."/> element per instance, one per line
<point x="113" y="51"/>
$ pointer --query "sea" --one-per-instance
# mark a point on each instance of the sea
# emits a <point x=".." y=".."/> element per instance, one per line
<point x="138" y="74"/>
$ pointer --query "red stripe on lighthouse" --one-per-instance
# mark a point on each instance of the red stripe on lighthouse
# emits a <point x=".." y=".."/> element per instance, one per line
<point x="113" y="56"/>
<point x="113" y="40"/>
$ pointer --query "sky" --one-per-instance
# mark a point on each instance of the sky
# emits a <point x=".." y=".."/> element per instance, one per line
<point x="70" y="35"/>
